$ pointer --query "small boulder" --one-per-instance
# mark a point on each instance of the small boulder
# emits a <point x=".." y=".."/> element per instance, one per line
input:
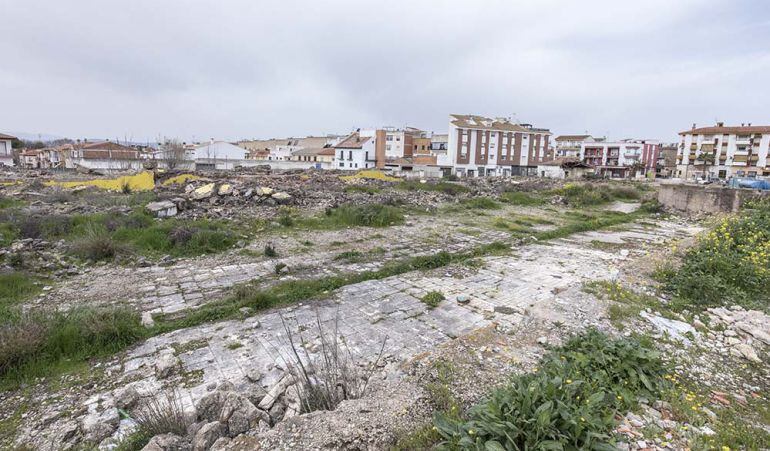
<point x="463" y="299"/>
<point x="166" y="442"/>
<point x="166" y="364"/>
<point x="225" y="189"/>
<point x="126" y="397"/>
<point x="162" y="209"/>
<point x="207" y="435"/>
<point x="747" y="352"/>
<point x="230" y="408"/>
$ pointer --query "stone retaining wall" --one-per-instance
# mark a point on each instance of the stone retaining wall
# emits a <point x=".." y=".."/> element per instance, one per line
<point x="705" y="199"/>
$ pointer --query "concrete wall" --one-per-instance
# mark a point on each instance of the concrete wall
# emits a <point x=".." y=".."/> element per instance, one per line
<point x="704" y="199"/>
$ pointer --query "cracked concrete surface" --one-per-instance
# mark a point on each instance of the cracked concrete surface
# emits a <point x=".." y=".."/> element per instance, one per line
<point x="540" y="283"/>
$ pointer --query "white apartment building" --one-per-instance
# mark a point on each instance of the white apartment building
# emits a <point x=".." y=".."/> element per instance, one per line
<point x="724" y="151"/>
<point x="355" y="152"/>
<point x="480" y="146"/>
<point x="569" y="145"/>
<point x="6" y="150"/>
<point x="621" y="159"/>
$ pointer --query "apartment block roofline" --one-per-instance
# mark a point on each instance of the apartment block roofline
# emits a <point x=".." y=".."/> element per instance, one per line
<point x="720" y="128"/>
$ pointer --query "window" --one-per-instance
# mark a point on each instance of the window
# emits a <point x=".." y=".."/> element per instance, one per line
<point x="356" y="165"/>
<point x="366" y="156"/>
<point x="350" y="154"/>
<point x="387" y="147"/>
<point x="342" y="154"/>
<point x="398" y="138"/>
<point x="388" y="137"/>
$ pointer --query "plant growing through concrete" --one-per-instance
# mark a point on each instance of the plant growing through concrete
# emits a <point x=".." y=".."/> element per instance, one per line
<point x="335" y="375"/>
<point x="162" y="413"/>
<point x="433" y="298"/>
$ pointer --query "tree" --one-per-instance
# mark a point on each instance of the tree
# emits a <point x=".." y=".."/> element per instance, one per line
<point x="173" y="154"/>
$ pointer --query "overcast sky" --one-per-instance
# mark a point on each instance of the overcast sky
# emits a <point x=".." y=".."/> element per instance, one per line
<point x="232" y="69"/>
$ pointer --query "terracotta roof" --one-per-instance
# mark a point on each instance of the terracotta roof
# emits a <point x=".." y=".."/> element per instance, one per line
<point x="729" y="130"/>
<point x="572" y="137"/>
<point x="103" y="154"/>
<point x="353" y="141"/>
<point x="4" y="136"/>
<point x="485" y="123"/>
<point x="314" y="151"/>
<point x="105" y="145"/>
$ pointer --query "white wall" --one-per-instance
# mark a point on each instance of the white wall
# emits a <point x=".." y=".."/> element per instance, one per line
<point x="221" y="151"/>
<point x="6" y="152"/>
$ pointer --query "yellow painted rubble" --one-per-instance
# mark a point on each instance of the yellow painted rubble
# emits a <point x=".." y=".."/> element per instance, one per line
<point x="370" y="174"/>
<point x="144" y="181"/>
<point x="181" y="179"/>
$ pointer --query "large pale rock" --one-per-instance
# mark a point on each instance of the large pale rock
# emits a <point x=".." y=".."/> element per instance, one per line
<point x="264" y="191"/>
<point x="166" y="364"/>
<point x="747" y="352"/>
<point x="167" y="442"/>
<point x="232" y="409"/>
<point x="225" y="189"/>
<point x="203" y="192"/>
<point x="162" y="209"/>
<point x="207" y="435"/>
<point x="99" y="425"/>
<point x="281" y="198"/>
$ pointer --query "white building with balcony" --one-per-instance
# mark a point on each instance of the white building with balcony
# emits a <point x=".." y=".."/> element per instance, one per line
<point x="480" y="146"/>
<point x="621" y="159"/>
<point x="724" y="151"/>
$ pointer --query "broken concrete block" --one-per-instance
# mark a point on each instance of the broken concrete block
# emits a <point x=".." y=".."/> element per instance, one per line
<point x="162" y="209"/>
<point x="203" y="192"/>
<point x="281" y="198"/>
<point x="264" y="191"/>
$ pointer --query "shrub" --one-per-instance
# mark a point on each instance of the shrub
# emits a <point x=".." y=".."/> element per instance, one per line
<point x="349" y="256"/>
<point x="97" y="245"/>
<point x="521" y="198"/>
<point x="367" y="215"/>
<point x="285" y="220"/>
<point x="270" y="251"/>
<point x="583" y="194"/>
<point x="443" y="186"/>
<point x="625" y="193"/>
<point x="15" y="286"/>
<point x="729" y="265"/>
<point x="162" y="414"/>
<point x="569" y="403"/>
<point x="433" y="298"/>
<point x="279" y="267"/>
<point x="481" y="203"/>
<point x="179" y="236"/>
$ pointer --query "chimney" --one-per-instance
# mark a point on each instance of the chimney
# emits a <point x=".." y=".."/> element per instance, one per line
<point x="720" y="124"/>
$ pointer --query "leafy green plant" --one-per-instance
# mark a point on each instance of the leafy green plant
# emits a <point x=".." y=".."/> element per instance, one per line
<point x="521" y="198"/>
<point x="729" y="265"/>
<point x="368" y="215"/>
<point x="568" y="403"/>
<point x="433" y="298"/>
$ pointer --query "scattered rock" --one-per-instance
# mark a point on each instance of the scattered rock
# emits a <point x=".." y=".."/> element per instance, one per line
<point x="207" y="435"/>
<point x="166" y="364"/>
<point x="166" y="442"/>
<point x="463" y="299"/>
